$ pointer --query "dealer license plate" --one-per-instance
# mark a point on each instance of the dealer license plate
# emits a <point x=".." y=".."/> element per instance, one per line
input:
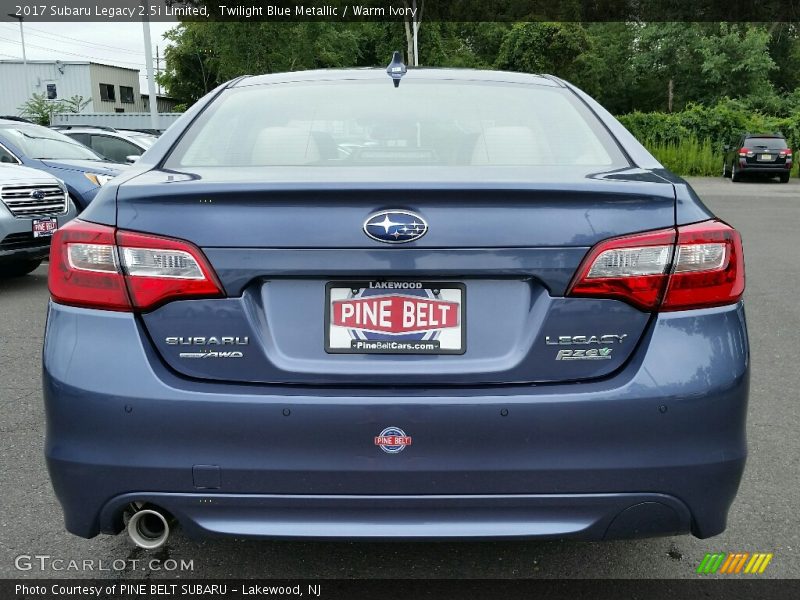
<point x="44" y="227"/>
<point x="395" y="317"/>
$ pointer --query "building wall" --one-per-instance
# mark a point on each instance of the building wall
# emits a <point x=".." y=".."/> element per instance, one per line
<point x="70" y="79"/>
<point x="73" y="79"/>
<point x="117" y="77"/>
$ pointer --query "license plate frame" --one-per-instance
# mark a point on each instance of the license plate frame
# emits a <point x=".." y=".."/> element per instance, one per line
<point x="50" y="227"/>
<point x="433" y="341"/>
<point x="765" y="157"/>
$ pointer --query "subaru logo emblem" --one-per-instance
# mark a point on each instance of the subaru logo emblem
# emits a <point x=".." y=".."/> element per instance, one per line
<point x="395" y="226"/>
<point x="37" y="195"/>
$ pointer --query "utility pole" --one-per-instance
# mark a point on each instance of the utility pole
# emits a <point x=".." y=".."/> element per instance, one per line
<point x="158" y="69"/>
<point x="669" y="95"/>
<point x="151" y="79"/>
<point x="415" y="25"/>
<point x="24" y="54"/>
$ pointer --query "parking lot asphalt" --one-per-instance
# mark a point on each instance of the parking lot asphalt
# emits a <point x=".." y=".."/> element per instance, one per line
<point x="763" y="518"/>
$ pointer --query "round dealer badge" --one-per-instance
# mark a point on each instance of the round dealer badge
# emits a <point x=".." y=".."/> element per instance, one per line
<point x="392" y="440"/>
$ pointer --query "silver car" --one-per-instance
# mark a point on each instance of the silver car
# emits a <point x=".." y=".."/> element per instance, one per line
<point x="33" y="205"/>
<point x="119" y="145"/>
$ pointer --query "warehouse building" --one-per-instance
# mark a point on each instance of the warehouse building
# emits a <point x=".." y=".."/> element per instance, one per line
<point x="111" y="89"/>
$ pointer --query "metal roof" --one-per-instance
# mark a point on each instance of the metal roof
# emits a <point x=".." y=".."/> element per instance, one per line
<point x="65" y="62"/>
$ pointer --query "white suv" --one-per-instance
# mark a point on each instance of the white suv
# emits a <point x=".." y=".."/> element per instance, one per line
<point x="33" y="204"/>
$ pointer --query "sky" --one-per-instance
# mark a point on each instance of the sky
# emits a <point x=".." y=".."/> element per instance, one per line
<point x="119" y="44"/>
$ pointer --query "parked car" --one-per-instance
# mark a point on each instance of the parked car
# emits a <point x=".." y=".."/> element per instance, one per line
<point x="480" y="321"/>
<point x="758" y="153"/>
<point x="83" y="170"/>
<point x="33" y="205"/>
<point x="118" y="145"/>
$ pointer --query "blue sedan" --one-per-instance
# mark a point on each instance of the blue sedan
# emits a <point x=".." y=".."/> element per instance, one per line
<point x="83" y="170"/>
<point x="450" y="304"/>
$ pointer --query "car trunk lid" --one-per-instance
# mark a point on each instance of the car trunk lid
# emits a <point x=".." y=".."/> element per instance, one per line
<point x="504" y="249"/>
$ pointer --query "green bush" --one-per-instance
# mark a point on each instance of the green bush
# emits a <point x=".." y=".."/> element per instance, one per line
<point x="690" y="142"/>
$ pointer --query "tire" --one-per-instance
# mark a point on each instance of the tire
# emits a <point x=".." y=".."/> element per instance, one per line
<point x="784" y="177"/>
<point x="20" y="269"/>
<point x="725" y="171"/>
<point x="735" y="175"/>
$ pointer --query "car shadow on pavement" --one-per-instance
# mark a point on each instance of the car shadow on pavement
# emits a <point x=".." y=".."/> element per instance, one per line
<point x="425" y="559"/>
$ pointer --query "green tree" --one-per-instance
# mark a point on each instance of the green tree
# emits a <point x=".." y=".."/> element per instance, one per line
<point x="203" y="55"/>
<point x="461" y="45"/>
<point x="627" y="66"/>
<point x="39" y="109"/>
<point x="735" y="62"/>
<point x="74" y="104"/>
<point x="555" y="48"/>
<point x="784" y="49"/>
<point x="191" y="61"/>
<point x="605" y="70"/>
<point x="665" y="60"/>
<point x="679" y="63"/>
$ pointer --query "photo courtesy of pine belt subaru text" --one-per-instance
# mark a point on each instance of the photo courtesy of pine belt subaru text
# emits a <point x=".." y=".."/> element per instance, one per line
<point x="428" y="304"/>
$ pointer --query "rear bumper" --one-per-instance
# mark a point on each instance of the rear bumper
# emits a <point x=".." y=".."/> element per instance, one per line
<point x="659" y="448"/>
<point x="501" y="516"/>
<point x="772" y="169"/>
<point x="24" y="254"/>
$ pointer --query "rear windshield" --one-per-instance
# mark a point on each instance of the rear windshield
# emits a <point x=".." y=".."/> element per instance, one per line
<point x="769" y="143"/>
<point x="42" y="143"/>
<point x="358" y="123"/>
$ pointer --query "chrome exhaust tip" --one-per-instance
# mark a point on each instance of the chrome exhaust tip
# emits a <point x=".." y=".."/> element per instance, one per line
<point x="148" y="528"/>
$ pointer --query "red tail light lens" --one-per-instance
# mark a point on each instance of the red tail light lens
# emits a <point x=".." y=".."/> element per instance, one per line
<point x="699" y="266"/>
<point x="746" y="152"/>
<point x="100" y="267"/>
<point x="84" y="270"/>
<point x="158" y="269"/>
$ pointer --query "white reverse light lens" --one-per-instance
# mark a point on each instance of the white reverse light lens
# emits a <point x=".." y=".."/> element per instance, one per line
<point x="152" y="262"/>
<point x="100" y="258"/>
<point x="700" y="257"/>
<point x="630" y="262"/>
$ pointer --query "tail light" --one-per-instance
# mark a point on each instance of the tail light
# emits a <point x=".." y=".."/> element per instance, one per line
<point x="693" y="266"/>
<point x="746" y="152"/>
<point x="787" y="153"/>
<point x="84" y="267"/>
<point x="99" y="266"/>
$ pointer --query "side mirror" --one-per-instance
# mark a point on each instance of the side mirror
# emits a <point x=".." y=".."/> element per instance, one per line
<point x="131" y="158"/>
<point x="726" y="147"/>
